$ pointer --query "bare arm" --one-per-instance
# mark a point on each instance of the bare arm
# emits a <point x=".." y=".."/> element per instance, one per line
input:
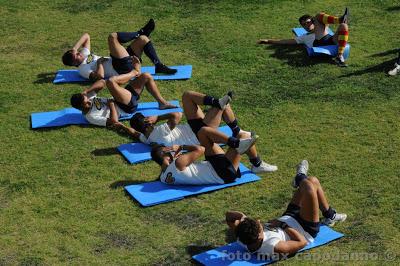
<point x="99" y="72"/>
<point x="277" y="41"/>
<point x="120" y="127"/>
<point x="173" y="119"/>
<point x="194" y="152"/>
<point x="84" y="42"/>
<point x="124" y="78"/>
<point x="96" y="87"/>
<point x="296" y="243"/>
<point x="113" y="114"/>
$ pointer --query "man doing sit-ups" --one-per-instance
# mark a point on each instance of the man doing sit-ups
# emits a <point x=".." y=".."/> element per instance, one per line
<point x="120" y="62"/>
<point x="219" y="167"/>
<point x="297" y="227"/>
<point x="318" y="35"/>
<point x="173" y="132"/>
<point x="106" y="112"/>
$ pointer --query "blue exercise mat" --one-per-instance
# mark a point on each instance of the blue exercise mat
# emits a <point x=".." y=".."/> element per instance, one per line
<point x="72" y="75"/>
<point x="330" y="50"/>
<point x="137" y="152"/>
<point x="156" y="192"/>
<point x="72" y="116"/>
<point x="233" y="254"/>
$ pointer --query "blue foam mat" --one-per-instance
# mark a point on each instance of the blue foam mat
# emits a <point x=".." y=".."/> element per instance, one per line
<point x="233" y="254"/>
<point x="330" y="50"/>
<point x="137" y="152"/>
<point x="72" y="116"/>
<point x="72" y="75"/>
<point x="156" y="192"/>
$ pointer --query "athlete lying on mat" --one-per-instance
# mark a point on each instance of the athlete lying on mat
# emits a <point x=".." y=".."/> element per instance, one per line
<point x="120" y="62"/>
<point x="172" y="132"/>
<point x="296" y="228"/>
<point x="218" y="168"/>
<point x="318" y="35"/>
<point x="107" y="111"/>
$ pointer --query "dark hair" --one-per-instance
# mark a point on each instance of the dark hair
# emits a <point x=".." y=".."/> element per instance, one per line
<point x="157" y="154"/>
<point x="304" y="18"/>
<point x="137" y="122"/>
<point x="68" y="58"/>
<point x="248" y="231"/>
<point x="76" y="101"/>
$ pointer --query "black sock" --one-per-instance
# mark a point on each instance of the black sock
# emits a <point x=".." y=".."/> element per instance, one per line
<point x="209" y="100"/>
<point x="398" y="59"/>
<point x="329" y="213"/>
<point x="234" y="127"/>
<point x="233" y="142"/>
<point x="124" y="37"/>
<point x="300" y="177"/>
<point x="149" y="50"/>
<point x="256" y="161"/>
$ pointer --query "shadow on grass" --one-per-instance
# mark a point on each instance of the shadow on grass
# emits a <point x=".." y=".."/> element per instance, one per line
<point x="393" y="8"/>
<point x="197" y="248"/>
<point x="388" y="52"/>
<point x="44" y="78"/>
<point x="382" y="67"/>
<point x="127" y="182"/>
<point x="105" y="151"/>
<point x="296" y="56"/>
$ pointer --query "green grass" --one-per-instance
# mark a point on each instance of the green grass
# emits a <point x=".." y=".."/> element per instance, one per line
<point x="61" y="199"/>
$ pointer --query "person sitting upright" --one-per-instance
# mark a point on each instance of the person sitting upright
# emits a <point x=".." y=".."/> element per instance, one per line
<point x="318" y="35"/>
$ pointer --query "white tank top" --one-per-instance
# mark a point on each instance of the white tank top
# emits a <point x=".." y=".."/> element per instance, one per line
<point x="197" y="173"/>
<point x="182" y="134"/>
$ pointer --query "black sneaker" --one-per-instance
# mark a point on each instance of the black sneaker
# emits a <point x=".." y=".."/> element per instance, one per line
<point x="345" y="17"/>
<point x="339" y="61"/>
<point x="148" y="28"/>
<point x="161" y="68"/>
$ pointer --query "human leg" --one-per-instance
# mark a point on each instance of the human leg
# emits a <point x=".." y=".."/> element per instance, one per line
<point x="145" y="80"/>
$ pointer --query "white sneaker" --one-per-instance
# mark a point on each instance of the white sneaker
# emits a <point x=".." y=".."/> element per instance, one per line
<point x="395" y="70"/>
<point x="338" y="217"/>
<point x="264" y="168"/>
<point x="224" y="101"/>
<point x="245" y="144"/>
<point x="302" y="168"/>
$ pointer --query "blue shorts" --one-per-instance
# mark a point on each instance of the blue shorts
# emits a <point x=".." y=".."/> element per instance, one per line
<point x="326" y="40"/>
<point x="122" y="65"/>
<point x="131" y="107"/>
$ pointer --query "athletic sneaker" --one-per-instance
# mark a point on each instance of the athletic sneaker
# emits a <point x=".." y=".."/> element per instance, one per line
<point x="264" y="168"/>
<point x="339" y="61"/>
<point x="302" y="168"/>
<point x="338" y="217"/>
<point x="148" y="28"/>
<point x="345" y="17"/>
<point x="395" y="70"/>
<point x="245" y="144"/>
<point x="223" y="102"/>
<point x="163" y="69"/>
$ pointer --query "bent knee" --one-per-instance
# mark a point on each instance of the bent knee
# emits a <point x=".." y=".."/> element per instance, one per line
<point x="112" y="36"/>
<point x="146" y="75"/>
<point x="143" y="38"/>
<point x="187" y="95"/>
<point x="314" y="180"/>
<point x="307" y="186"/>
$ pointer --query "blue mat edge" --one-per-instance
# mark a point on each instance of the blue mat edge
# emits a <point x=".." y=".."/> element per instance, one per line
<point x="339" y="236"/>
<point x="156" y="77"/>
<point x="126" y="189"/>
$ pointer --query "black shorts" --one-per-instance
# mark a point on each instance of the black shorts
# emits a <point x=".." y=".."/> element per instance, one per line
<point x="224" y="168"/>
<point x="132" y="105"/>
<point x="196" y="125"/>
<point x="310" y="227"/>
<point x="132" y="53"/>
<point x="122" y="65"/>
<point x="326" y="40"/>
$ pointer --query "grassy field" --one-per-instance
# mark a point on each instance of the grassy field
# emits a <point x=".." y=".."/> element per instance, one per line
<point x="61" y="190"/>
